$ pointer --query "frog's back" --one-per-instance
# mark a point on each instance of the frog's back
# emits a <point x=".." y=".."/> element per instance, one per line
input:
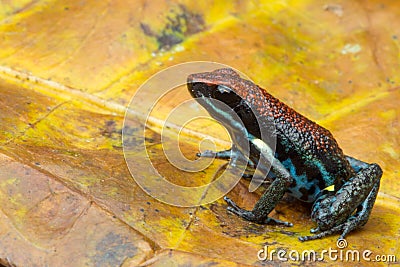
<point x="307" y="150"/>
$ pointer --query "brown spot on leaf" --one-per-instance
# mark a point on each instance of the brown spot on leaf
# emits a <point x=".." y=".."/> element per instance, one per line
<point x="179" y="26"/>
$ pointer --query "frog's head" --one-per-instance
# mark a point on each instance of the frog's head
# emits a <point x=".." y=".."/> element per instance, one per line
<point x="219" y="93"/>
<point x="227" y="97"/>
<point x="215" y="85"/>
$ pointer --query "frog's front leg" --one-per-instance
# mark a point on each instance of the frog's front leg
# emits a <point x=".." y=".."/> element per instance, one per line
<point x="228" y="154"/>
<point x="232" y="154"/>
<point x="334" y="213"/>
<point x="271" y="196"/>
<point x="224" y="154"/>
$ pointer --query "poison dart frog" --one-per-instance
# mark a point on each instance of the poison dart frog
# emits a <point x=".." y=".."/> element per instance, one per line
<point x="306" y="159"/>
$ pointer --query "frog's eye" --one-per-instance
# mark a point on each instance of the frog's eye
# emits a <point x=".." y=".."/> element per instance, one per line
<point x="224" y="89"/>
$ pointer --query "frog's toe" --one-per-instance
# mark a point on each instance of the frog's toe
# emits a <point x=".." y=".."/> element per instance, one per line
<point x="206" y="154"/>
<point x="234" y="208"/>
<point x="304" y="238"/>
<point x="322" y="234"/>
<point x="312" y="237"/>
<point x="270" y="220"/>
<point x="308" y="237"/>
<point x="314" y="230"/>
<point x="245" y="214"/>
<point x="229" y="201"/>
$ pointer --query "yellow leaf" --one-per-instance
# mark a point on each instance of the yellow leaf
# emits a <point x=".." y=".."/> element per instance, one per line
<point x="68" y="70"/>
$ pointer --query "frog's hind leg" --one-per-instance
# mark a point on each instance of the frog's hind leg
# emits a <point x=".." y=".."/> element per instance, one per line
<point x="359" y="219"/>
<point x="373" y="173"/>
<point x="363" y="212"/>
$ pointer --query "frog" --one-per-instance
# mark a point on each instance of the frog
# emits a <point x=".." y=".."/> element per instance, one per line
<point x="305" y="161"/>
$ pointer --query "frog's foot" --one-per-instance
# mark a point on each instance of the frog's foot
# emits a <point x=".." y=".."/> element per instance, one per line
<point x="334" y="230"/>
<point x="352" y="223"/>
<point x="249" y="215"/>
